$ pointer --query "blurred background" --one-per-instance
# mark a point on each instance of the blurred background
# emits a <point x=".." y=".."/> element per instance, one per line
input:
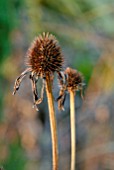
<point x="85" y="31"/>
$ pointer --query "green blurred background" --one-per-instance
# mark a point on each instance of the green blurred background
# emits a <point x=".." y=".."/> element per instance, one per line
<point x="85" y="31"/>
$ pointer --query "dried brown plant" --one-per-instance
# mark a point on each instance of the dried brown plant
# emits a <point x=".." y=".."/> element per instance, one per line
<point x="43" y="58"/>
<point x="71" y="81"/>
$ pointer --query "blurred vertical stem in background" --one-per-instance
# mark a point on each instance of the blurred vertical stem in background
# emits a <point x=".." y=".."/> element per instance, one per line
<point x="52" y="122"/>
<point x="73" y="131"/>
<point x="34" y="15"/>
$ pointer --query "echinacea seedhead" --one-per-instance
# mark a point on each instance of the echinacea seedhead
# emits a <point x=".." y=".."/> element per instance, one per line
<point x="74" y="79"/>
<point x="71" y="79"/>
<point x="43" y="58"/>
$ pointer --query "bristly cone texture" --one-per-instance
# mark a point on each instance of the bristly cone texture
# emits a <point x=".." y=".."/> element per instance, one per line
<point x="74" y="79"/>
<point x="70" y="80"/>
<point x="44" y="56"/>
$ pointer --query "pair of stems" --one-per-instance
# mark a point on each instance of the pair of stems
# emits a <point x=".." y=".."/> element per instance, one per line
<point x="54" y="128"/>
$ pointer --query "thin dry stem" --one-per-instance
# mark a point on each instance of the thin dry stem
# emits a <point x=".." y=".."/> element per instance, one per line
<point x="52" y="122"/>
<point x="73" y="131"/>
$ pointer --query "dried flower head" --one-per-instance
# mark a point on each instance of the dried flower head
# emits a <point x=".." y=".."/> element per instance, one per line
<point x="74" y="79"/>
<point x="69" y="80"/>
<point x="43" y="58"/>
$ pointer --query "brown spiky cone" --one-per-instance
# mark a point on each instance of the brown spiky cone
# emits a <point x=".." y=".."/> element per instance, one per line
<point x="74" y="79"/>
<point x="43" y="58"/>
<point x="73" y="82"/>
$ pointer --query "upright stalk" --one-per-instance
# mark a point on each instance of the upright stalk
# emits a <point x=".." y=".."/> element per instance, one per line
<point x="73" y="132"/>
<point x="52" y="123"/>
<point x="73" y="82"/>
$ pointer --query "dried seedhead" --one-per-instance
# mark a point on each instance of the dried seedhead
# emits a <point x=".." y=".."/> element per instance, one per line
<point x="43" y="58"/>
<point x="69" y="80"/>
<point x="74" y="79"/>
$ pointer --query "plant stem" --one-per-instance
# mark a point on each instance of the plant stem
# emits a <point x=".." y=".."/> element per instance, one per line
<point x="52" y="122"/>
<point x="73" y="132"/>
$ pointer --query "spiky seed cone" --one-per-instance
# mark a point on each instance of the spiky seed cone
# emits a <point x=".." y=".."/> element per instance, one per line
<point x="69" y="80"/>
<point x="44" y="56"/>
<point x="74" y="79"/>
